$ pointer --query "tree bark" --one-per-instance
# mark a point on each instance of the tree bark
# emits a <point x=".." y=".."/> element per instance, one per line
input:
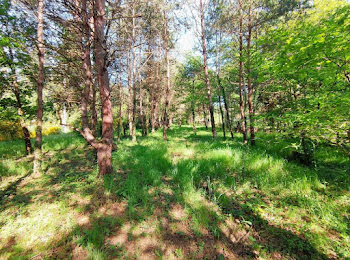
<point x="130" y="103"/>
<point x="87" y="69"/>
<point x="120" y="111"/>
<point x="222" y="118"/>
<point x="133" y="132"/>
<point x="153" y="105"/>
<point x="26" y="134"/>
<point x="156" y="99"/>
<point x="104" y="149"/>
<point x="205" y="117"/>
<point x="240" y="80"/>
<point x="93" y="109"/>
<point x="167" y="88"/>
<point x="142" y="114"/>
<point x="206" y="74"/>
<point x="193" y="112"/>
<point x="229" y="124"/>
<point x="88" y="34"/>
<point x="40" y="86"/>
<point x="250" y="87"/>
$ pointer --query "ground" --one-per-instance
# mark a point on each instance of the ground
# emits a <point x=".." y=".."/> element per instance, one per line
<point x="188" y="198"/>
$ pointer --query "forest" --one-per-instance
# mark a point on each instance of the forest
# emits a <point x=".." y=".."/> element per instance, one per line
<point x="174" y="129"/>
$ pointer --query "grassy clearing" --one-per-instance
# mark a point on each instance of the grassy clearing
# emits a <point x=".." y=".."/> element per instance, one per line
<point x="189" y="198"/>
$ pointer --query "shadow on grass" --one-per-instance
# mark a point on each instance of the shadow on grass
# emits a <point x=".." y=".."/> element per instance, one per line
<point x="148" y="187"/>
<point x="11" y="190"/>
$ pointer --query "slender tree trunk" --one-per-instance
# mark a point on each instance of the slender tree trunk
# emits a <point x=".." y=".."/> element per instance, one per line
<point x="147" y="124"/>
<point x="205" y="117"/>
<point x="206" y="74"/>
<point x="133" y="133"/>
<point x="250" y="87"/>
<point x="142" y="114"/>
<point x="88" y="34"/>
<point x="167" y="88"/>
<point x="40" y="86"/>
<point x="124" y="129"/>
<point x="229" y="124"/>
<point x="219" y="96"/>
<point x="193" y="112"/>
<point x="193" y="119"/>
<point x="104" y="151"/>
<point x="64" y="118"/>
<point x="156" y="125"/>
<point x="26" y="134"/>
<point x="240" y="81"/>
<point x="120" y="111"/>
<point x="93" y="108"/>
<point x="156" y="99"/>
<point x="153" y="105"/>
<point x="16" y="92"/>
<point x="222" y="118"/>
<point x="130" y="99"/>
<point x="153" y="92"/>
<point x="86" y="59"/>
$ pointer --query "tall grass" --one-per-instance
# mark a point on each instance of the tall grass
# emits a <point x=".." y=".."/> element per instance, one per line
<point x="278" y="205"/>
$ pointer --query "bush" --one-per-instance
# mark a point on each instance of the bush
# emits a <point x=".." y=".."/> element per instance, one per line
<point x="48" y="130"/>
<point x="10" y="130"/>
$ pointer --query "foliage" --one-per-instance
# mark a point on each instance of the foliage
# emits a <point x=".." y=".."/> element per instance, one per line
<point x="308" y="58"/>
<point x="10" y="130"/>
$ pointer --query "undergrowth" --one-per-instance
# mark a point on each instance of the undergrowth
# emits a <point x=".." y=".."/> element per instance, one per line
<point x="190" y="197"/>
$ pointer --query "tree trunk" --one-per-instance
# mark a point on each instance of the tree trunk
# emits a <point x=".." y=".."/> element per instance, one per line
<point x="93" y="108"/>
<point x="156" y="99"/>
<point x="88" y="34"/>
<point x="64" y="118"/>
<point x="142" y="114"/>
<point x="153" y="105"/>
<point x="16" y="91"/>
<point x="222" y="118"/>
<point x="26" y="134"/>
<point x="120" y="111"/>
<point x="130" y="103"/>
<point x="133" y="132"/>
<point x="87" y="69"/>
<point x="205" y="117"/>
<point x="206" y="74"/>
<point x="240" y="81"/>
<point x="193" y="112"/>
<point x="250" y="87"/>
<point x="147" y="124"/>
<point x="193" y="120"/>
<point x="229" y="124"/>
<point x="167" y="88"/>
<point x="104" y="149"/>
<point x="40" y="86"/>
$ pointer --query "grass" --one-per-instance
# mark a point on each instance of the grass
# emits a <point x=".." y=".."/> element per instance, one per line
<point x="188" y="198"/>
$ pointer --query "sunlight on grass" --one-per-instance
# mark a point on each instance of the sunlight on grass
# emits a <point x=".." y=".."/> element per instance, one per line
<point x="39" y="227"/>
<point x="162" y="193"/>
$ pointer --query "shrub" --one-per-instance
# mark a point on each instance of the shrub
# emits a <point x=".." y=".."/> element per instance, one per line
<point x="48" y="130"/>
<point x="10" y="130"/>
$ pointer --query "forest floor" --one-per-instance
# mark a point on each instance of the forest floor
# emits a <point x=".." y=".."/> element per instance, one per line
<point x="188" y="198"/>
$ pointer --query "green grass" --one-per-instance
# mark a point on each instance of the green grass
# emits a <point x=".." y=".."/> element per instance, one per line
<point x="188" y="198"/>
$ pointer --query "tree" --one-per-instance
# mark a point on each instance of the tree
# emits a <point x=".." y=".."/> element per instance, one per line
<point x="40" y="86"/>
<point x="206" y="74"/>
<point x="167" y="87"/>
<point x="14" y="56"/>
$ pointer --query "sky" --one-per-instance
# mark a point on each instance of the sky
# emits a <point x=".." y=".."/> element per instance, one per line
<point x="187" y="39"/>
<point x="184" y="45"/>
